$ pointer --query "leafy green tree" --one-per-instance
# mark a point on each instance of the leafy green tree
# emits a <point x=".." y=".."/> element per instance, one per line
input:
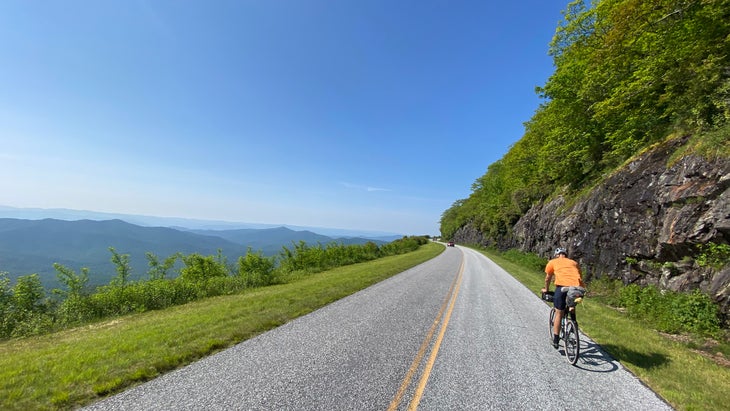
<point x="628" y="73"/>
<point x="75" y="283"/>
<point x="29" y="294"/>
<point x="75" y="306"/>
<point x="157" y="270"/>
<point x="6" y="301"/>
<point x="29" y="307"/>
<point x="302" y="257"/>
<point x="121" y="264"/>
<point x="371" y="250"/>
<point x="199" y="268"/>
<point x="257" y="269"/>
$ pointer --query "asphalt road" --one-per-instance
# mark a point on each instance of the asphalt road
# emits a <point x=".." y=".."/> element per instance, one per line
<point x="455" y="333"/>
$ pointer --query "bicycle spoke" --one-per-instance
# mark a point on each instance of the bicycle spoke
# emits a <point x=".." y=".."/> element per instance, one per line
<point x="571" y="342"/>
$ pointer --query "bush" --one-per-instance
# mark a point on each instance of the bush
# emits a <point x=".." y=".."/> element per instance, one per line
<point x="198" y="268"/>
<point x="24" y="309"/>
<point x="75" y="309"/>
<point x="670" y="311"/>
<point x="530" y="260"/>
<point x="403" y="245"/>
<point x="697" y="312"/>
<point x="713" y="255"/>
<point x="312" y="259"/>
<point x="221" y="286"/>
<point x="255" y="269"/>
<point x="27" y="323"/>
<point x="606" y="290"/>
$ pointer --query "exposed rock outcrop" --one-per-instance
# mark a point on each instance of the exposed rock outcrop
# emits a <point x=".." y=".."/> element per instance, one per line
<point x="643" y="224"/>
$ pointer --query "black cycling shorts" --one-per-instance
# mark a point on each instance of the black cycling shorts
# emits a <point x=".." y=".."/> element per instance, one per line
<point x="559" y="298"/>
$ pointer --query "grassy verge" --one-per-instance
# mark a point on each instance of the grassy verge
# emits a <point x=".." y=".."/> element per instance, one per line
<point x="683" y="377"/>
<point x="75" y="367"/>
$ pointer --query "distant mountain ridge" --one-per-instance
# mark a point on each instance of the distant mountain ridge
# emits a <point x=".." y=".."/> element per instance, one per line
<point x="270" y="240"/>
<point x="186" y="223"/>
<point x="32" y="246"/>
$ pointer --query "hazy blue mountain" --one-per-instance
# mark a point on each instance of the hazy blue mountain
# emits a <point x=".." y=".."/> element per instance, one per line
<point x="151" y="221"/>
<point x="32" y="246"/>
<point x="271" y="240"/>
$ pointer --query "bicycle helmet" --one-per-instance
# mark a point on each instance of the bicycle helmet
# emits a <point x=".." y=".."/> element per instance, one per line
<point x="560" y="250"/>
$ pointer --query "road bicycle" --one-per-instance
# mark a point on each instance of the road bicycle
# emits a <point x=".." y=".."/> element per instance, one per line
<point x="569" y="333"/>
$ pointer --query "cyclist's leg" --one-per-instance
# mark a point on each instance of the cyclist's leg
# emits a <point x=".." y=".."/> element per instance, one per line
<point x="559" y="303"/>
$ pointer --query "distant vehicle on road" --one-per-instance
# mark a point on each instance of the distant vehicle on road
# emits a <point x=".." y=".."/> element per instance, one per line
<point x="450" y="244"/>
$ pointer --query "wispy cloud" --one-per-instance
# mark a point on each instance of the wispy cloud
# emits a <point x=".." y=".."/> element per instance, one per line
<point x="364" y="188"/>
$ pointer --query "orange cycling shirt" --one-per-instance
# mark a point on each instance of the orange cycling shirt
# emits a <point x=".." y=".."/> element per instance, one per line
<point x="566" y="271"/>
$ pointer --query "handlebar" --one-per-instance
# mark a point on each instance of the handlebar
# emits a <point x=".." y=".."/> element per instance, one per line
<point x="574" y="295"/>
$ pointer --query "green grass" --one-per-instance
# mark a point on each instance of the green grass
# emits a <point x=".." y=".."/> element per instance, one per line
<point x="75" y="367"/>
<point x="71" y="368"/>
<point x="683" y="377"/>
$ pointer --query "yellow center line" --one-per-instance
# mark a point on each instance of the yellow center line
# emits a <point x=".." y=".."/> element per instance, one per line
<point x="450" y="296"/>
<point x="432" y="359"/>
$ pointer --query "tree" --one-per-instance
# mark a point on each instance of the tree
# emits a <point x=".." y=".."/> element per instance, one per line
<point x="75" y="283"/>
<point x="628" y="73"/>
<point x="121" y="263"/>
<point x="199" y="268"/>
<point x="75" y="306"/>
<point x="257" y="269"/>
<point x="6" y="301"/>
<point x="159" y="271"/>
<point x="28" y="294"/>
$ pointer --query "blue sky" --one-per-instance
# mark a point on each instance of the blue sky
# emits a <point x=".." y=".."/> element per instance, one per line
<point x="370" y="115"/>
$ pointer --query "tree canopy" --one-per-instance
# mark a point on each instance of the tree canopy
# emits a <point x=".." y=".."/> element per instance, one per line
<point x="628" y="73"/>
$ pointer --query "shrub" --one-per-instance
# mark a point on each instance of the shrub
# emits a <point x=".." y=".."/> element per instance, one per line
<point x="157" y="270"/>
<point x="713" y="255"/>
<point x="530" y="260"/>
<point x="198" y="268"/>
<point x="74" y="310"/>
<point x="256" y="269"/>
<point x="75" y="283"/>
<point x="606" y="289"/>
<point x="221" y="286"/>
<point x="403" y="245"/>
<point x="27" y="323"/>
<point x="24" y="309"/>
<point x="671" y="311"/>
<point x="121" y="264"/>
<point x="696" y="312"/>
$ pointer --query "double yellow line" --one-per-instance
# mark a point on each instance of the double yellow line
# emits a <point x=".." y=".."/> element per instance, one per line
<point x="449" y="302"/>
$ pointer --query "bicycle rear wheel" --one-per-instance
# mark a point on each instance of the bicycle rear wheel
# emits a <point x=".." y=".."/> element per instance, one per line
<point x="571" y="342"/>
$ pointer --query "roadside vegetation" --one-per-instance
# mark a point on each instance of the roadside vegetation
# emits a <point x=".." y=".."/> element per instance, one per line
<point x="26" y="308"/>
<point x="673" y="342"/>
<point x="628" y="74"/>
<point x="76" y="366"/>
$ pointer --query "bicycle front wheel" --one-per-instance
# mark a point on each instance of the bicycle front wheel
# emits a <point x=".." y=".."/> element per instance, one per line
<point x="571" y="342"/>
<point x="552" y="323"/>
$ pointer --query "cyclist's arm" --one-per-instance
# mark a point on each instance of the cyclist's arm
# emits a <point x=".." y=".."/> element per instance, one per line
<point x="548" y="279"/>
<point x="549" y="272"/>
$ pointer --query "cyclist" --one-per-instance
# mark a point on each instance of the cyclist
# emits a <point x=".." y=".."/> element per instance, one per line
<point x="566" y="273"/>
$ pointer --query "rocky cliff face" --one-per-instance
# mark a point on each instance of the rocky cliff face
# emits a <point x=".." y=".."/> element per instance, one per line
<point x="643" y="224"/>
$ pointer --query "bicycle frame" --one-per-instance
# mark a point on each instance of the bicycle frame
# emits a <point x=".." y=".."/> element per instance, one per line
<point x="569" y="333"/>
